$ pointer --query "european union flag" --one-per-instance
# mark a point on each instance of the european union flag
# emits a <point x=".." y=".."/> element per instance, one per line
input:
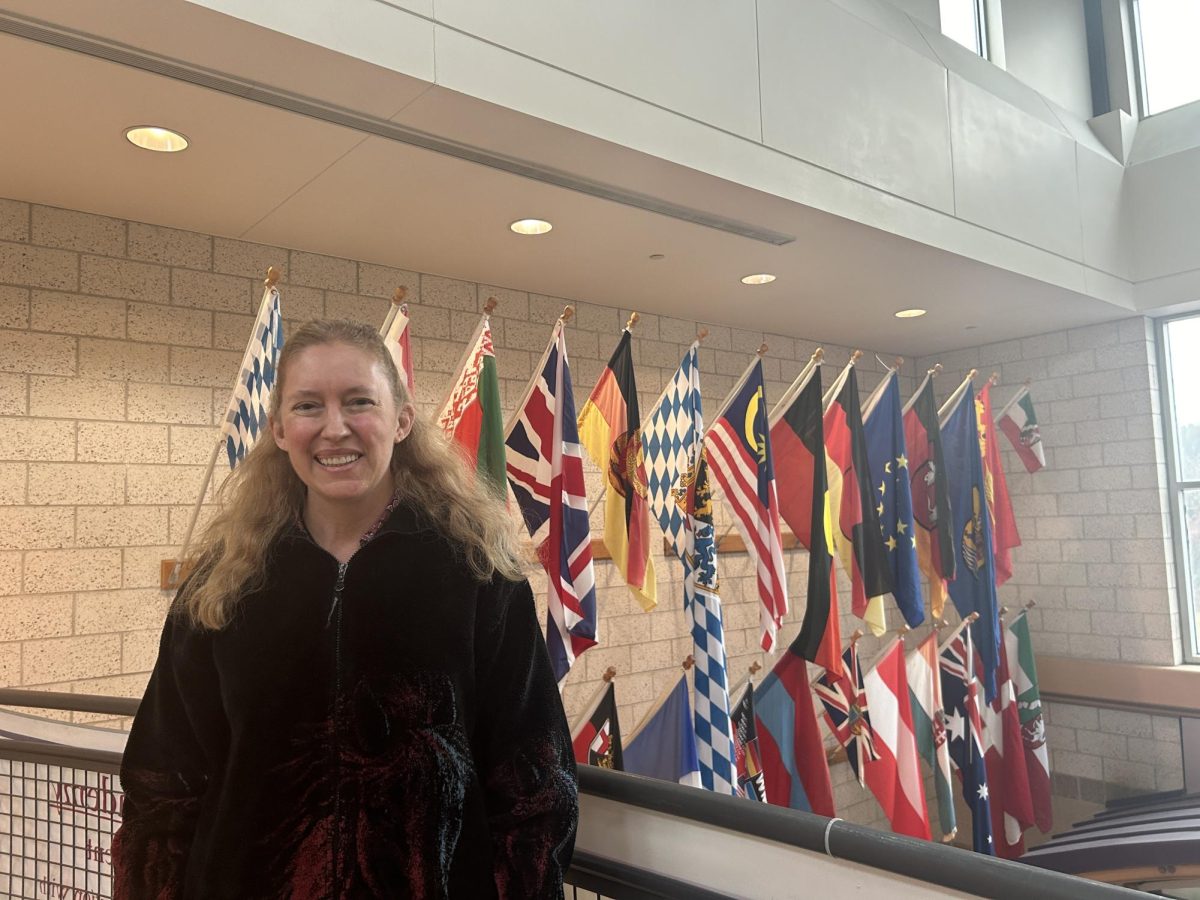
<point x="884" y="430"/>
<point x="974" y="588"/>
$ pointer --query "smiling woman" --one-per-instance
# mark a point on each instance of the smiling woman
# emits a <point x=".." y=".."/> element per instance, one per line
<point x="352" y="697"/>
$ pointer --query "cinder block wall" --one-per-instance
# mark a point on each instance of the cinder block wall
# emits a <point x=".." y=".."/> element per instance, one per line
<point x="119" y="342"/>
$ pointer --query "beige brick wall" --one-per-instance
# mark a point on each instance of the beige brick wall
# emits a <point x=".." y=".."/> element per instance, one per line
<point x="119" y="341"/>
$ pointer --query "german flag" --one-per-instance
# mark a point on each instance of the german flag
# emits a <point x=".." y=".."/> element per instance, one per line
<point x="611" y="432"/>
<point x="798" y="438"/>
<point x="858" y="539"/>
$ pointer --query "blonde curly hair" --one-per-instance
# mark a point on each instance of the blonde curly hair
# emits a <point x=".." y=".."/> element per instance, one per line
<point x="263" y="496"/>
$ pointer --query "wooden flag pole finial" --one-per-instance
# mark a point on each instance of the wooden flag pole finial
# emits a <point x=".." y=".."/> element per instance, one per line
<point x="904" y="629"/>
<point x="1027" y="382"/>
<point x="398" y="295"/>
<point x="609" y="673"/>
<point x="689" y="662"/>
<point x="490" y="306"/>
<point x="1003" y="611"/>
<point x="935" y="371"/>
<point x="818" y="354"/>
<point x="762" y="349"/>
<point x="994" y="379"/>
<point x="701" y="335"/>
<point x="855" y="356"/>
<point x="633" y="320"/>
<point x="971" y="375"/>
<point x="972" y="618"/>
<point x="273" y="276"/>
<point x="939" y="624"/>
<point x="755" y="667"/>
<point x="898" y="363"/>
<point x="1031" y="604"/>
<point x="858" y="632"/>
<point x="567" y="312"/>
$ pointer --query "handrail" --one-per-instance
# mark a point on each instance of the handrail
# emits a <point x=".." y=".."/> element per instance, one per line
<point x="61" y="755"/>
<point x="610" y="878"/>
<point x="927" y="861"/>
<point x="90" y="703"/>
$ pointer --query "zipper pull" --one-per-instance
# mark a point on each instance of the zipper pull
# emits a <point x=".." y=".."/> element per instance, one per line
<point x="338" y="586"/>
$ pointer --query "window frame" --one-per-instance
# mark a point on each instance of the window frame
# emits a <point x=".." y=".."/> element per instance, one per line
<point x="1189" y="606"/>
<point x="981" y="33"/>
<point x="1139" y="66"/>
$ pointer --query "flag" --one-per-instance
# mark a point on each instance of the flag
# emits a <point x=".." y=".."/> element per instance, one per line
<point x="739" y="445"/>
<point x="974" y="588"/>
<point x="472" y="416"/>
<point x="960" y="692"/>
<point x="395" y="337"/>
<point x="681" y="499"/>
<point x="798" y="439"/>
<point x="751" y="783"/>
<point x="930" y="495"/>
<point x="1004" y="523"/>
<point x="858" y="539"/>
<point x="545" y="469"/>
<point x="929" y="726"/>
<point x="1020" y="425"/>
<point x="1033" y="729"/>
<point x="664" y="745"/>
<point x="596" y="736"/>
<point x="795" y="770"/>
<point x="888" y="455"/>
<point x="894" y="776"/>
<point x="610" y="430"/>
<point x="246" y="415"/>
<point x="847" y="713"/>
<point x="1004" y="756"/>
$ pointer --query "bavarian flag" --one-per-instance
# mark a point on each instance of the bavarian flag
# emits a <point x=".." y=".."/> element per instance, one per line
<point x="610" y="429"/>
<point x="472" y="417"/>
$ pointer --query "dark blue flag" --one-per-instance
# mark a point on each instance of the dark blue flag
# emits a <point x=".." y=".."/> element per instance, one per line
<point x="964" y="736"/>
<point x="884" y="429"/>
<point x="974" y="588"/>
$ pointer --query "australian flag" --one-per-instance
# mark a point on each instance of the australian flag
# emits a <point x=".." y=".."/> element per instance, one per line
<point x="964" y="736"/>
<point x="545" y="468"/>
<point x="884" y="430"/>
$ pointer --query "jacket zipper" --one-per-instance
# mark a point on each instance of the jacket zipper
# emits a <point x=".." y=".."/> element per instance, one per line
<point x="336" y="613"/>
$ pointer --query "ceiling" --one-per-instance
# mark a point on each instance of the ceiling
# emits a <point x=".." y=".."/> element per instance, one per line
<point x="351" y="188"/>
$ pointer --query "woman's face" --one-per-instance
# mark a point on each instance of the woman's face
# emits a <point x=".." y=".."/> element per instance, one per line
<point x="338" y="423"/>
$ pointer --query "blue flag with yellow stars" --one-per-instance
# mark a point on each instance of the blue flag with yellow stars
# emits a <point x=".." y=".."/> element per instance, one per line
<point x="890" y="484"/>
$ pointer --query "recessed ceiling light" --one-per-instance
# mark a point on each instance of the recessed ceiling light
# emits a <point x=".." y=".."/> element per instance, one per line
<point x="970" y="327"/>
<point x="152" y="137"/>
<point x="658" y="256"/>
<point x="761" y="278"/>
<point x="531" y="226"/>
<point x="910" y="313"/>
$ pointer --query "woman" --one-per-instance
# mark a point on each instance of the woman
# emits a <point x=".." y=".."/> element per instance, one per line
<point x="352" y="697"/>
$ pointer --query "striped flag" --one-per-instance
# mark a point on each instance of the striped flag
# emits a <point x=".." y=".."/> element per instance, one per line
<point x="1019" y="423"/>
<point x="471" y="416"/>
<point x="545" y="469"/>
<point x="246" y="415"/>
<point x="894" y="777"/>
<point x="395" y="336"/>
<point x="610" y="432"/>
<point x="681" y="498"/>
<point x="847" y="712"/>
<point x="929" y="725"/>
<point x="739" y="445"/>
<point x="1029" y="707"/>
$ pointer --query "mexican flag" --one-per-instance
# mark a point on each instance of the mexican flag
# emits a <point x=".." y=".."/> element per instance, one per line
<point x="1020" y="425"/>
<point x="472" y="416"/>
<point x="1033" y="731"/>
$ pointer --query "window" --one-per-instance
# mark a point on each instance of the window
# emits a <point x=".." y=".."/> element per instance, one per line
<point x="1168" y="63"/>
<point x="963" y="21"/>
<point x="1179" y="343"/>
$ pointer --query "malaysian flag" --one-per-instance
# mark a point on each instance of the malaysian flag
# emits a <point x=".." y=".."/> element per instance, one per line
<point x="681" y="498"/>
<point x="545" y="469"/>
<point x="246" y="415"/>
<point x="845" y="700"/>
<point x="739" y="446"/>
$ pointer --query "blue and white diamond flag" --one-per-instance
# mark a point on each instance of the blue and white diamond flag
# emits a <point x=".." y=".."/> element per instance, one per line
<point x="246" y="415"/>
<point x="681" y="498"/>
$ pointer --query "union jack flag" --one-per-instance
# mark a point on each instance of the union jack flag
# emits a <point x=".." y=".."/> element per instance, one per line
<point x="545" y="468"/>
<point x="739" y="445"/>
<point x="246" y="415"/>
<point x="845" y="700"/>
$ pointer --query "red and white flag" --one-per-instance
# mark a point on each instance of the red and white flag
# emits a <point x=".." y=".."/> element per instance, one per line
<point x="1007" y="774"/>
<point x="895" y="776"/>
<point x="395" y="336"/>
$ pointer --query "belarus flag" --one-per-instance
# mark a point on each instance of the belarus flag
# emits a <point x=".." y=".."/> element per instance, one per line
<point x="472" y="416"/>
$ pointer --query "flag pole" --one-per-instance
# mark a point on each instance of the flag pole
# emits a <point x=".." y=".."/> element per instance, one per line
<point x="398" y="305"/>
<point x="873" y="399"/>
<point x="562" y="320"/>
<point x="953" y="399"/>
<point x="177" y="569"/>
<point x="484" y="320"/>
<point x="957" y="630"/>
<point x="605" y="679"/>
<point x="840" y="380"/>
<point x="634" y="318"/>
<point x="929" y="373"/>
<point x="754" y="668"/>
<point x="758" y="355"/>
<point x="658" y="704"/>
<point x="700" y="336"/>
<point x="800" y="382"/>
<point x="1021" y="392"/>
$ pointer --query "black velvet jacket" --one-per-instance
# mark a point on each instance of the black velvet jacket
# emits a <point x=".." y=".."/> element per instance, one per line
<point x="386" y="728"/>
